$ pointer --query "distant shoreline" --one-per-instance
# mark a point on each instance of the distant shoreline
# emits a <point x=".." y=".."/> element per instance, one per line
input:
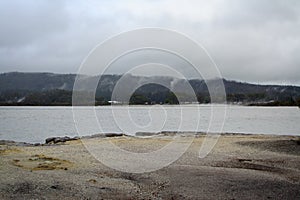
<point x="70" y="105"/>
<point x="46" y="89"/>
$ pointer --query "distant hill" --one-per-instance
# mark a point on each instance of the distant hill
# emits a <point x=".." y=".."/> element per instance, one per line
<point x="18" y="88"/>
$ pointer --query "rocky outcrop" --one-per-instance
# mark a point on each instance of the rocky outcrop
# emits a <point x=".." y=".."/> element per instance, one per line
<point x="54" y="140"/>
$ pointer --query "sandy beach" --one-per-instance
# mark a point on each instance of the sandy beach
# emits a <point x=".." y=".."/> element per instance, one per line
<point x="239" y="167"/>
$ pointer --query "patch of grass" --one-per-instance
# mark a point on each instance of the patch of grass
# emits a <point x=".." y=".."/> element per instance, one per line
<point x="42" y="162"/>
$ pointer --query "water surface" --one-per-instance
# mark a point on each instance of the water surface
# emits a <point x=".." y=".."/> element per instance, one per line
<point x="34" y="124"/>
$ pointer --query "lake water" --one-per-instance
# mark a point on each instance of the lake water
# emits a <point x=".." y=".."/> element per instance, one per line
<point x="34" y="124"/>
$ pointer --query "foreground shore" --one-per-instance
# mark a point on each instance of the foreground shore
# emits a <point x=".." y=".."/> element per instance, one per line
<point x="239" y="167"/>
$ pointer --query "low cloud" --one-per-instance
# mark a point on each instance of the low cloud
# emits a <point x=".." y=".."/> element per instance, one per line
<point x="256" y="41"/>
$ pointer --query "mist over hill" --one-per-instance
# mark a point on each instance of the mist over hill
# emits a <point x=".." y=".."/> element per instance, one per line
<point x="18" y="88"/>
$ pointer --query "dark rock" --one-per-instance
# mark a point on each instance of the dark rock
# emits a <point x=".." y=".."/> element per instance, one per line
<point x="99" y="135"/>
<point x="60" y="139"/>
<point x="48" y="140"/>
<point x="114" y="134"/>
<point x="53" y="187"/>
<point x="104" y="135"/>
<point x="56" y="187"/>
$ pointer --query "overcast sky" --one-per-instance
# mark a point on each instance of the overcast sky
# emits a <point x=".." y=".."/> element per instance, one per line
<point x="250" y="40"/>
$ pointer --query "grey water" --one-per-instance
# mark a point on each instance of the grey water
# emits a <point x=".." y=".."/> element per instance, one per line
<point x="34" y="124"/>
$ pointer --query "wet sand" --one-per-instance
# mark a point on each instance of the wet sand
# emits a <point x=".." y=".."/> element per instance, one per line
<point x="239" y="167"/>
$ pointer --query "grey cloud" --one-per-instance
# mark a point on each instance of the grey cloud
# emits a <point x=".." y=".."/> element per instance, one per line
<point x="23" y="22"/>
<point x="256" y="41"/>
